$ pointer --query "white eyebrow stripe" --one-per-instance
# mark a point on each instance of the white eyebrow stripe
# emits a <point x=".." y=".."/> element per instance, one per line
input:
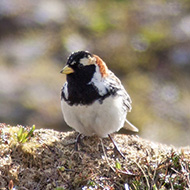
<point x="85" y="61"/>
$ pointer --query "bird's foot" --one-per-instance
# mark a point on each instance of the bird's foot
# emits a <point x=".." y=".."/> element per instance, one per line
<point x="116" y="149"/>
<point x="78" y="142"/>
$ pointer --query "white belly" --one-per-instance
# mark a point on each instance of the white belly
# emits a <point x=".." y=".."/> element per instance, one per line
<point x="100" y="119"/>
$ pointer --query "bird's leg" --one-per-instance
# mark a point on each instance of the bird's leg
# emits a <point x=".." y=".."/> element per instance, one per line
<point x="116" y="147"/>
<point x="78" y="141"/>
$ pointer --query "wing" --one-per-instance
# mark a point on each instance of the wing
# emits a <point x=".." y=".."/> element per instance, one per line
<point x="115" y="85"/>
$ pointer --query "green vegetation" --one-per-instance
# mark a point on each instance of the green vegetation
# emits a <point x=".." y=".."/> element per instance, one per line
<point x="24" y="135"/>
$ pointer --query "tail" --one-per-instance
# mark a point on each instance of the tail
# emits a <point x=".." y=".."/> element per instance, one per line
<point x="130" y="127"/>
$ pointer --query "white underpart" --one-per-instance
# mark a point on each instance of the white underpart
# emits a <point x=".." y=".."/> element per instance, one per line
<point x="97" y="118"/>
<point x="99" y="81"/>
<point x="100" y="119"/>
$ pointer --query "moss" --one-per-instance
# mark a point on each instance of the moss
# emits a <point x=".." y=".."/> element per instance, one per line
<point x="48" y="161"/>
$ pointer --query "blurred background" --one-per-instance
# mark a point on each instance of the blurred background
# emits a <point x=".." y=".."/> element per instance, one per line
<point x="146" y="43"/>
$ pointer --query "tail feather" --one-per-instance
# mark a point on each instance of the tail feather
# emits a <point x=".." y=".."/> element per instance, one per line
<point x="130" y="126"/>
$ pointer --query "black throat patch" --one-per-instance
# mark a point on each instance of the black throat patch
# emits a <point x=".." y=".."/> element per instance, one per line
<point x="80" y="91"/>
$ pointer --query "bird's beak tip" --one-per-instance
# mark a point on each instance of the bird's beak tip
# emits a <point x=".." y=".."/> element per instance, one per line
<point x="67" y="70"/>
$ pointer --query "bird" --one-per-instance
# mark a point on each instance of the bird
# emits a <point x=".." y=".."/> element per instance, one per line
<point x="93" y="99"/>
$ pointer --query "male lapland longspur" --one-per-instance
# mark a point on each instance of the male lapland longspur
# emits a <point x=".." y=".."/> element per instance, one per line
<point x="93" y="100"/>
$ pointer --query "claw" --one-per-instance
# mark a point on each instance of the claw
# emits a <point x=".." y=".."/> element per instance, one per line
<point x="78" y="141"/>
<point x="116" y="149"/>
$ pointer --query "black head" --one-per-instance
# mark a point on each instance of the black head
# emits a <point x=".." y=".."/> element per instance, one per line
<point x="76" y="57"/>
<point x="80" y="67"/>
<point x="77" y="61"/>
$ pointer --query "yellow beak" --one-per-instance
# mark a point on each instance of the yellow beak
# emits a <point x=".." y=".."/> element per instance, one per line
<point x="67" y="70"/>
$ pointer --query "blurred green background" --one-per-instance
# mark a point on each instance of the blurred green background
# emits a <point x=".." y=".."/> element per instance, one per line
<point x="146" y="43"/>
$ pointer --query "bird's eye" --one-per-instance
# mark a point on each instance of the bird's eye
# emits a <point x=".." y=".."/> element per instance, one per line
<point x="73" y="63"/>
<point x="80" y="66"/>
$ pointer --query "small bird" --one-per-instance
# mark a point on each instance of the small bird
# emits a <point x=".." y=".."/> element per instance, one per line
<point x="93" y="100"/>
